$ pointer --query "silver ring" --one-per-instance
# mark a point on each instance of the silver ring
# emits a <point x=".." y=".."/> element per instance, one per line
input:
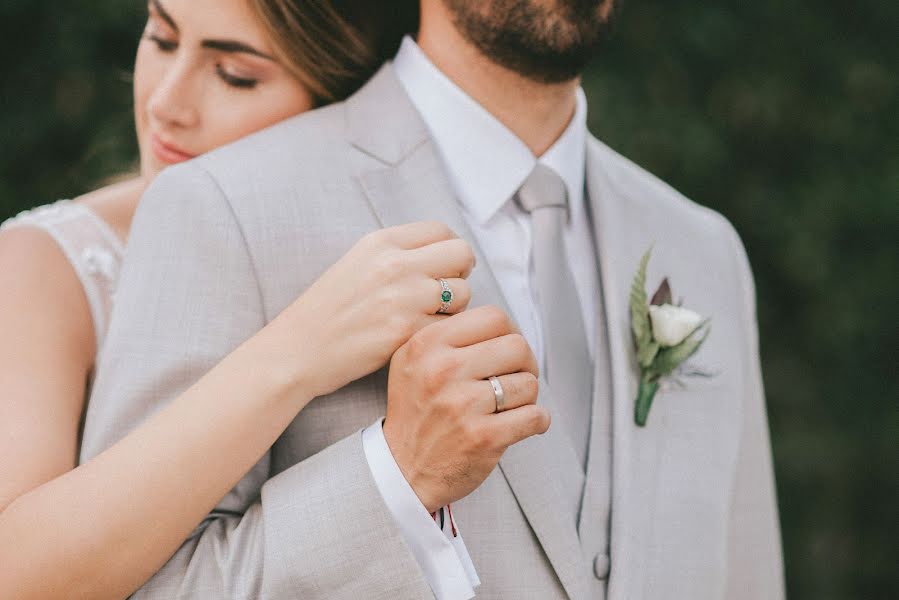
<point x="498" y="394"/>
<point x="446" y="297"/>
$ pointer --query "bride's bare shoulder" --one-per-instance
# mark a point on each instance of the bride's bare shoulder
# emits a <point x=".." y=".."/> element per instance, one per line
<point x="42" y="291"/>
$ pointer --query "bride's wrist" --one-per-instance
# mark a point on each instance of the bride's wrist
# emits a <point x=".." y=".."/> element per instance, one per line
<point x="289" y="377"/>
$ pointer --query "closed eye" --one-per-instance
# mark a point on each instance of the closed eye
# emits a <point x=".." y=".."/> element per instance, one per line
<point x="234" y="81"/>
<point x="163" y="45"/>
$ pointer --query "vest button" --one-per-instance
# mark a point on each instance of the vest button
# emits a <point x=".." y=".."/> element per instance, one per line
<point x="601" y="566"/>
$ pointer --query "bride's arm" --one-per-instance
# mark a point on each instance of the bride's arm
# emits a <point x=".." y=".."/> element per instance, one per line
<point x="86" y="532"/>
<point x="46" y="351"/>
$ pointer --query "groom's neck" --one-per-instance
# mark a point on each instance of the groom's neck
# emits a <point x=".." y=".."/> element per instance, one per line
<point x="537" y="113"/>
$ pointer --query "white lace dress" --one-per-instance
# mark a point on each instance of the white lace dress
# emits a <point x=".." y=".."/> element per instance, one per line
<point x="93" y="249"/>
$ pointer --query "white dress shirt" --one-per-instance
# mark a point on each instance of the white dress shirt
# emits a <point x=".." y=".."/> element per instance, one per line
<point x="486" y="164"/>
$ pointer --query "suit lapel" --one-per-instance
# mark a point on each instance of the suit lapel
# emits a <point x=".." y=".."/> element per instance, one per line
<point x="635" y="450"/>
<point x="412" y="186"/>
<point x="417" y="190"/>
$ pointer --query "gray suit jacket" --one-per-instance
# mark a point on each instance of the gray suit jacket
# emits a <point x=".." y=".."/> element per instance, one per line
<point x="222" y="244"/>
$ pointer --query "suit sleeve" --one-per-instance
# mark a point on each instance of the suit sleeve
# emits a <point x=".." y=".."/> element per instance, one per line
<point x="187" y="297"/>
<point x="755" y="559"/>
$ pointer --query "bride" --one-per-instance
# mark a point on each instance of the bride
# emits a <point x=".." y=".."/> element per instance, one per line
<point x="207" y="73"/>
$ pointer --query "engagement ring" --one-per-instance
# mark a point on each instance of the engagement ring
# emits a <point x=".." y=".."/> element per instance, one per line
<point x="446" y="297"/>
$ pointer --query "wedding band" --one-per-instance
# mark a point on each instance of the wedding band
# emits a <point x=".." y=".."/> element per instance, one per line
<point x="498" y="394"/>
<point x="446" y="297"/>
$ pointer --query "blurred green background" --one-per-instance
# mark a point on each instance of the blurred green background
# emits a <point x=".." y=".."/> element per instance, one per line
<point x="781" y="115"/>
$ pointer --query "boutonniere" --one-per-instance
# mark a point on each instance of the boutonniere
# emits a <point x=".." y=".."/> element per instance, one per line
<point x="665" y="335"/>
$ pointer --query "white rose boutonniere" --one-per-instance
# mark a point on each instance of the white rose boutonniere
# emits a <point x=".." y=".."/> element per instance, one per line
<point x="672" y="324"/>
<point x="664" y="337"/>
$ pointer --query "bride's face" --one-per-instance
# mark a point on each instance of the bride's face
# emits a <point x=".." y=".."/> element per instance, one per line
<point x="206" y="75"/>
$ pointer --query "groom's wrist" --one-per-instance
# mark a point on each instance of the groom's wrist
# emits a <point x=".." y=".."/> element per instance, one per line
<point x="414" y="477"/>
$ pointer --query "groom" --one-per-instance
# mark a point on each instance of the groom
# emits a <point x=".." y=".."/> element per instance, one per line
<point x="481" y="124"/>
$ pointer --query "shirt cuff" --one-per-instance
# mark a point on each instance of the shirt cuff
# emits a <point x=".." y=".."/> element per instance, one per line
<point x="443" y="558"/>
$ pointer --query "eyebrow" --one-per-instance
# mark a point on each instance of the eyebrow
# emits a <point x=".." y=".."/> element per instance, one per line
<point x="163" y="14"/>
<point x="232" y="46"/>
<point x="220" y="45"/>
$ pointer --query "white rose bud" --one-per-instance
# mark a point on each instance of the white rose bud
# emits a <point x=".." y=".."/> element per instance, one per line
<point x="672" y="324"/>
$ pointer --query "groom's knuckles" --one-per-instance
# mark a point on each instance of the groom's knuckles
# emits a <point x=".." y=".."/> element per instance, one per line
<point x="439" y="369"/>
<point x="479" y="439"/>
<point x="517" y="424"/>
<point x="484" y="323"/>
<point x="422" y="344"/>
<point x="536" y="419"/>
<point x="495" y="318"/>
<point x="509" y="353"/>
<point x="519" y="389"/>
<point x="519" y="347"/>
<point x="449" y="408"/>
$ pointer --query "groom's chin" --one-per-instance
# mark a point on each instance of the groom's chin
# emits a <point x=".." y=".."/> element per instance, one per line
<point x="548" y="41"/>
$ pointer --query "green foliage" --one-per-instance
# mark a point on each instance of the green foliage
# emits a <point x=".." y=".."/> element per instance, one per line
<point x="669" y="358"/>
<point x="640" y="324"/>
<point x="781" y="116"/>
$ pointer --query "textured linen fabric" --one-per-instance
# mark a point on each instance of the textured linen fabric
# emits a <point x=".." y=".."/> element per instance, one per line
<point x="222" y="244"/>
<point x="486" y="164"/>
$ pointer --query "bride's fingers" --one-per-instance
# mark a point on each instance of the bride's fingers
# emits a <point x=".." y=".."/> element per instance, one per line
<point x="427" y="299"/>
<point x="416" y="235"/>
<point x="448" y="258"/>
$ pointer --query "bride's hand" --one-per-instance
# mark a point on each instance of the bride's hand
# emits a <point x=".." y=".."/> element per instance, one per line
<point x="354" y="317"/>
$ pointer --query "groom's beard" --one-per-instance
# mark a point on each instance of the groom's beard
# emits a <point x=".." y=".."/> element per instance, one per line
<point x="548" y="41"/>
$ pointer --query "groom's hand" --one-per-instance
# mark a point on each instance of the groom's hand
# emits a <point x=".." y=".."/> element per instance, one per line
<point x="441" y="423"/>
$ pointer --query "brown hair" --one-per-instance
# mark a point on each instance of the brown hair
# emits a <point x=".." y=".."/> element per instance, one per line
<point x="333" y="46"/>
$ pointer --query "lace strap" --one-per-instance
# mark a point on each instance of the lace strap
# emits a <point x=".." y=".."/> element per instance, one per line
<point x="93" y="249"/>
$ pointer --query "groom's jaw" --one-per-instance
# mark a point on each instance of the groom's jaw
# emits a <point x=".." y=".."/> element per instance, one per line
<point x="547" y="41"/>
<point x="536" y="109"/>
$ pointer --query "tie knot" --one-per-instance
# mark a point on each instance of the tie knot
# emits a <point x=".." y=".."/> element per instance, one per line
<point x="543" y="188"/>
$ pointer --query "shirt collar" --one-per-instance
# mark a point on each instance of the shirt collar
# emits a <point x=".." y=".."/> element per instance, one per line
<point x="486" y="162"/>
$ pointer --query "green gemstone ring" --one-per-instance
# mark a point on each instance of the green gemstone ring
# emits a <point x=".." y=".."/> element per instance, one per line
<point x="446" y="297"/>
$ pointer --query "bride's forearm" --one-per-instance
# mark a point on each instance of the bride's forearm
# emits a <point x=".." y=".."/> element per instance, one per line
<point x="96" y="531"/>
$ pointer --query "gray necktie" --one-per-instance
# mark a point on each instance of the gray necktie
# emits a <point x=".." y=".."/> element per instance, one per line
<point x="568" y="368"/>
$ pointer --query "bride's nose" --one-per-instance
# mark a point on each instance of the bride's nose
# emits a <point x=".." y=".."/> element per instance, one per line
<point x="175" y="99"/>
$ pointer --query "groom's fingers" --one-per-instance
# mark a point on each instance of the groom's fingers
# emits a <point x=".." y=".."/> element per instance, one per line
<point x="518" y="389"/>
<point x="508" y="353"/>
<point x="447" y="258"/>
<point x="514" y="425"/>
<point x="416" y="235"/>
<point x="473" y="326"/>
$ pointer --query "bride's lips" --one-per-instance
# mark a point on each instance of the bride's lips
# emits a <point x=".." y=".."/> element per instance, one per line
<point x="168" y="153"/>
